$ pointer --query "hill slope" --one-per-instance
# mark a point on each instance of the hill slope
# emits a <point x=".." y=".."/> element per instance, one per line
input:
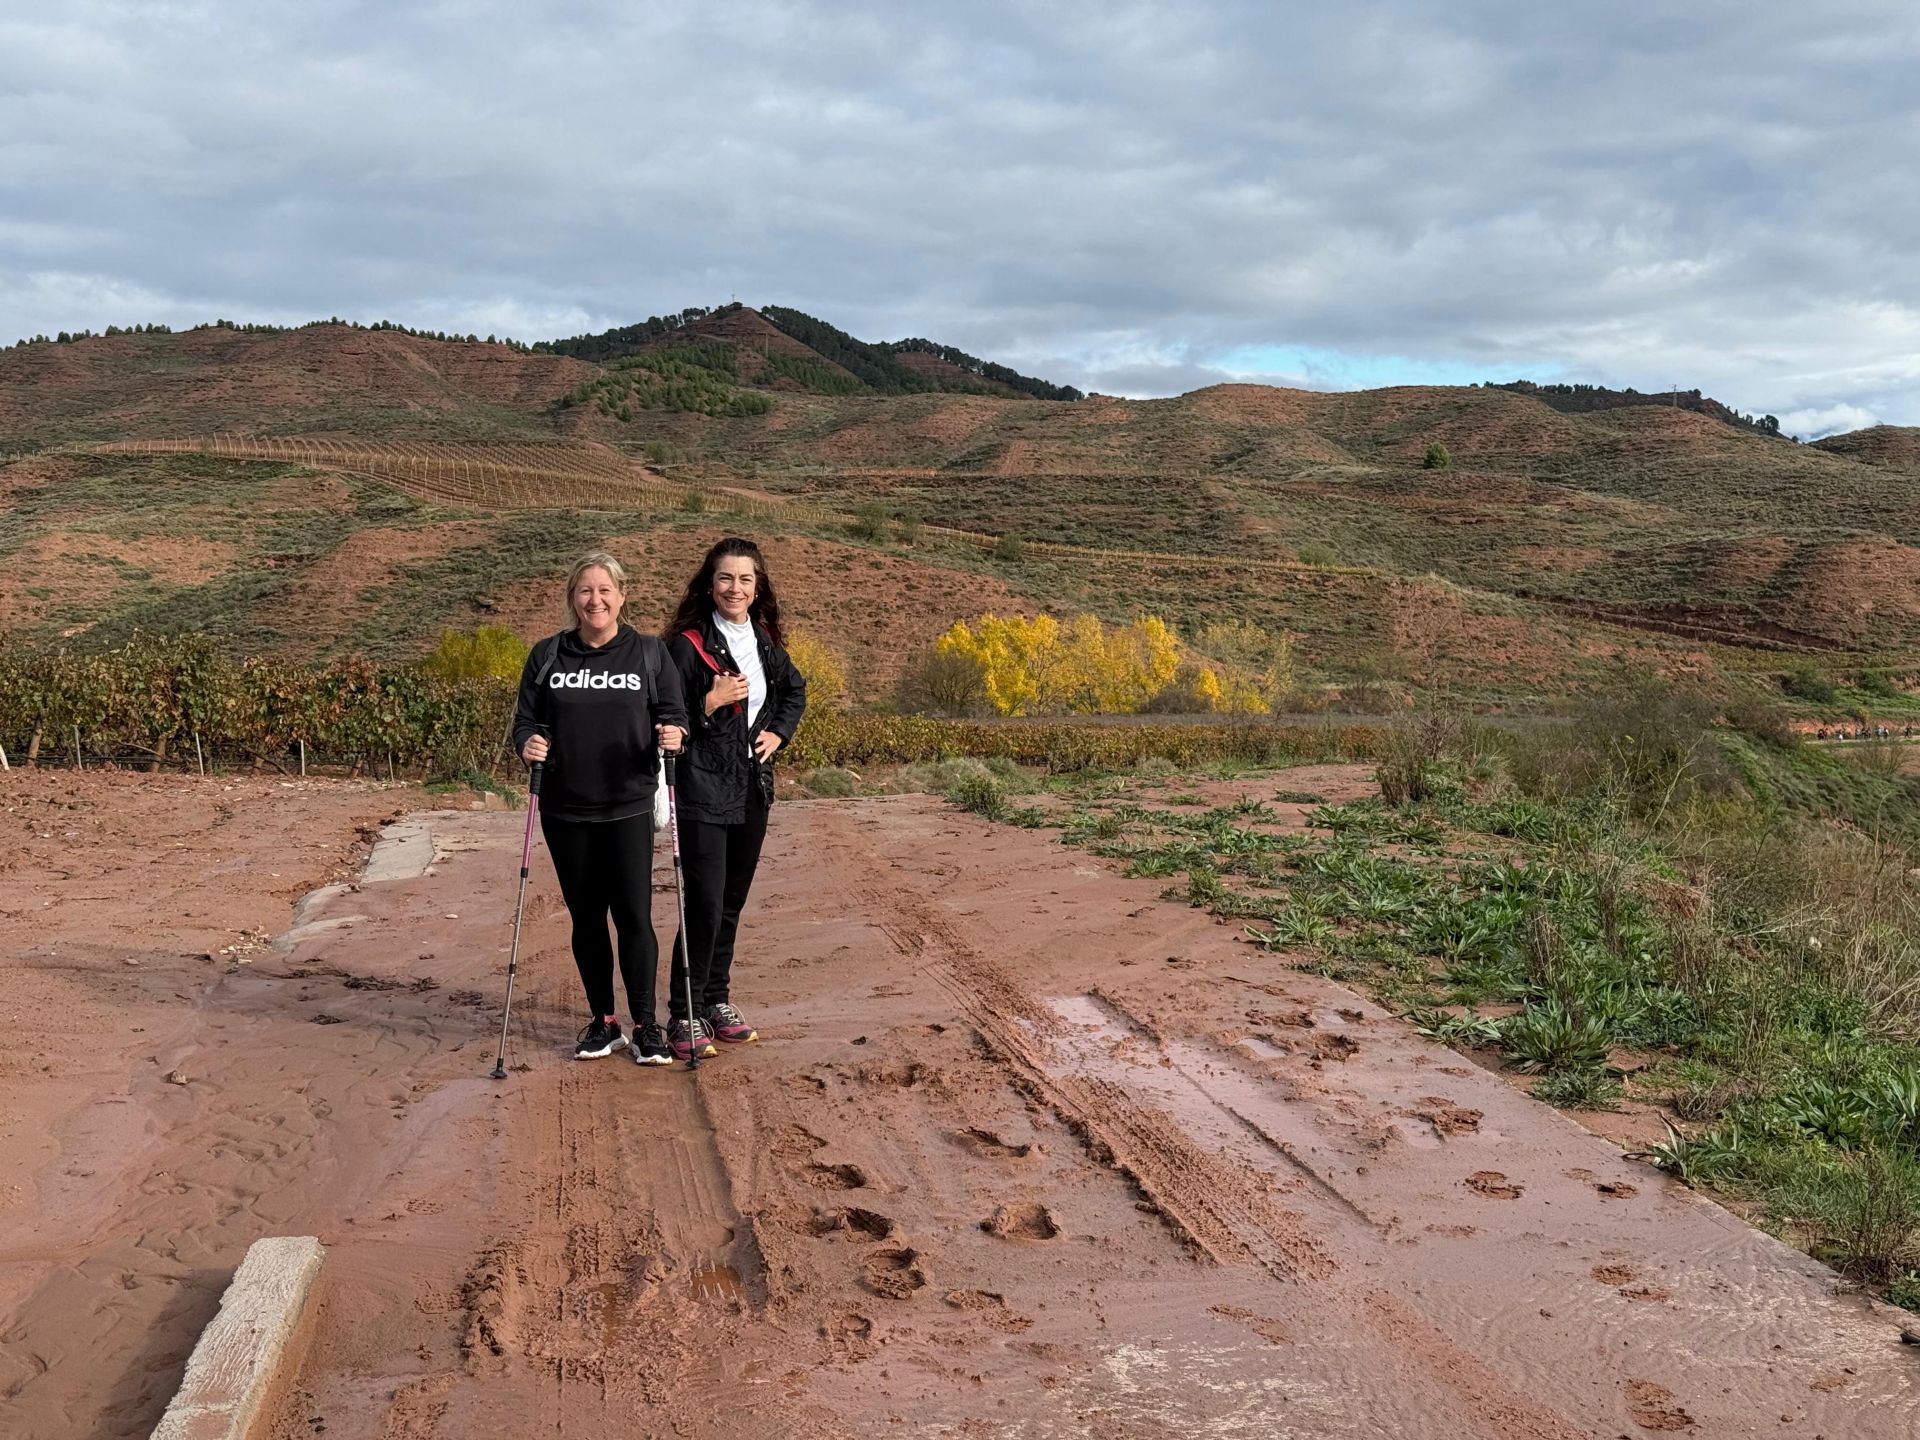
<point x="1889" y="447"/>
<point x="820" y="356"/>
<point x="1563" y="526"/>
<point x="320" y="379"/>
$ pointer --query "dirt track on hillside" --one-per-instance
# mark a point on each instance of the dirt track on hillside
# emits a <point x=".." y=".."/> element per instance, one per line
<point x="1025" y="1151"/>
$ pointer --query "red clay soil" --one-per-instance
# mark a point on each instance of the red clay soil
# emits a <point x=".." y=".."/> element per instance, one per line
<point x="75" y="572"/>
<point x="1024" y="1150"/>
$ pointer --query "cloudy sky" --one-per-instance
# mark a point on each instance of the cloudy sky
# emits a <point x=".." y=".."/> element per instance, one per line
<point x="1133" y="198"/>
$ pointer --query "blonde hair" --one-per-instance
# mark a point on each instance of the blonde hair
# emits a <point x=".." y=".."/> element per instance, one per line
<point x="616" y="572"/>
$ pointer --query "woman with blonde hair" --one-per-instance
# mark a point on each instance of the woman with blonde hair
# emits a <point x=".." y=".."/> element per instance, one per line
<point x="598" y="703"/>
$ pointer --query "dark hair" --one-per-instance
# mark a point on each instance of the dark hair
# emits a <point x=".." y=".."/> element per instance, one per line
<point x="697" y="603"/>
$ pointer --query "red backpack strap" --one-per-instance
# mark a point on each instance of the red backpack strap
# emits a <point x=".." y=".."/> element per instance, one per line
<point x="699" y="648"/>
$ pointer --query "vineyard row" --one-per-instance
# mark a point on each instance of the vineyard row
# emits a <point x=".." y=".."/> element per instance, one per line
<point x="180" y="704"/>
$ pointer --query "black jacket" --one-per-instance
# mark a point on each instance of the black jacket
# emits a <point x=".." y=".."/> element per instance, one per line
<point x="598" y="707"/>
<point x="719" y="767"/>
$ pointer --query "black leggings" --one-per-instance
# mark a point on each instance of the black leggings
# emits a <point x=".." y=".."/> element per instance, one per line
<point x="608" y="866"/>
<point x="718" y="861"/>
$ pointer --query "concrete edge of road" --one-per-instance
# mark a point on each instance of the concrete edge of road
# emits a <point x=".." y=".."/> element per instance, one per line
<point x="232" y="1369"/>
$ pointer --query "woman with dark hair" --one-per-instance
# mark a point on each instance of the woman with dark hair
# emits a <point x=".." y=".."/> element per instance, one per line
<point x="745" y="698"/>
<point x="598" y="702"/>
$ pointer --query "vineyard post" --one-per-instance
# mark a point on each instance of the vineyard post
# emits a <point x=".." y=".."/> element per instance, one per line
<point x="79" y="760"/>
<point x="3" y="759"/>
<point x="303" y="759"/>
<point x="199" y="760"/>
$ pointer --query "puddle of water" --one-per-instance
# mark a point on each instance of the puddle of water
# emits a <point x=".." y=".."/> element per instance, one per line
<point x="1417" y="1133"/>
<point x="1085" y="1011"/>
<point x="1261" y="1049"/>
<point x="612" y="1299"/>
<point x="718" y="1282"/>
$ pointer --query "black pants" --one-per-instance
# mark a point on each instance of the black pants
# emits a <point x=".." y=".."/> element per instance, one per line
<point x="718" y="862"/>
<point x="607" y="867"/>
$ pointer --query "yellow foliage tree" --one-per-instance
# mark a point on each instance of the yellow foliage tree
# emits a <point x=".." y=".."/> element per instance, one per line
<point x="1037" y="666"/>
<point x="1258" y="663"/>
<point x="491" y="652"/>
<point x="821" y="664"/>
<point x="1206" y="689"/>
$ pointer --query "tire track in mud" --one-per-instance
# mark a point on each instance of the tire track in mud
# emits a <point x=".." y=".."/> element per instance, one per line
<point x="1217" y="1209"/>
<point x="626" y="1250"/>
<point x="1217" y="1203"/>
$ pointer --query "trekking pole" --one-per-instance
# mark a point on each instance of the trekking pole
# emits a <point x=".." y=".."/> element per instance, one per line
<point x="680" y="903"/>
<point x="519" y="905"/>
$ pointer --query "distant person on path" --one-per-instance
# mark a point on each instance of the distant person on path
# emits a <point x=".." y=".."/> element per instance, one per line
<point x="746" y="699"/>
<point x="598" y="702"/>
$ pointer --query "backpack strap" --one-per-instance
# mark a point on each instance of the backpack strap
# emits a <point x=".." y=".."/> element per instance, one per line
<point x="692" y="637"/>
<point x="547" y="652"/>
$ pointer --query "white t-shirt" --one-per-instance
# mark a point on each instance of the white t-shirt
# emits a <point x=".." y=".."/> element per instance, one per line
<point x="745" y="646"/>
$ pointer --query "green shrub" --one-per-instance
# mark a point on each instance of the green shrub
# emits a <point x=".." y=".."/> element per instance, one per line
<point x="1436" y="457"/>
<point x="873" y="524"/>
<point x="980" y="793"/>
<point x="1587" y="1089"/>
<point x="1803" y="682"/>
<point x="1549" y="1038"/>
<point x="830" y="782"/>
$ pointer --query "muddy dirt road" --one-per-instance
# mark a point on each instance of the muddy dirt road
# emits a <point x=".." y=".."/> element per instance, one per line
<point x="1025" y="1151"/>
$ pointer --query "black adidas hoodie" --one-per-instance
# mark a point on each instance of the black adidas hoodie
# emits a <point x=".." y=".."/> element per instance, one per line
<point x="598" y="708"/>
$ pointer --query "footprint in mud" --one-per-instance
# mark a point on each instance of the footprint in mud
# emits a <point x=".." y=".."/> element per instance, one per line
<point x="1021" y="1222"/>
<point x="835" y="1177"/>
<point x="1447" y="1118"/>
<point x="1289" y="1019"/>
<point x="880" y="1072"/>
<point x="793" y="1139"/>
<point x="990" y="1308"/>
<point x="895" y="1274"/>
<point x="1623" y="1277"/>
<point x="1654" y="1408"/>
<point x="1493" y="1184"/>
<point x="853" y="1222"/>
<point x="1334" y="1047"/>
<point x="852" y="1329"/>
<point x="985" y="1142"/>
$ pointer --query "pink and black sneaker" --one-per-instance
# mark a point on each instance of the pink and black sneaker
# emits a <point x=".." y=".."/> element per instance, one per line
<point x="686" y="1041"/>
<point x="730" y="1025"/>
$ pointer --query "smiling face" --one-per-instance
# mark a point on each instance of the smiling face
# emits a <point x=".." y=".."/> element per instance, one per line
<point x="596" y="601"/>
<point x="735" y="583"/>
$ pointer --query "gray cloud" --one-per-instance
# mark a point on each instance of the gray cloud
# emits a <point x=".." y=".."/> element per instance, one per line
<point x="1131" y="197"/>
